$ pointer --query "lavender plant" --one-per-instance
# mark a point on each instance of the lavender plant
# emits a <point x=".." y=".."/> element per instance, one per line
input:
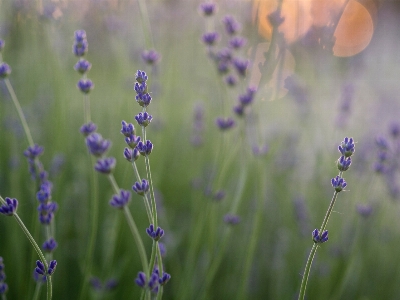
<point x="346" y="148"/>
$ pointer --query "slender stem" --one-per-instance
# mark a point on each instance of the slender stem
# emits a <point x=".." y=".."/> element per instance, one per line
<point x="146" y="24"/>
<point x="20" y="112"/>
<point x="307" y="271"/>
<point x="37" y="291"/>
<point x="315" y="246"/>
<point x="94" y="209"/>
<point x="145" y="199"/>
<point x="36" y="247"/>
<point x="137" y="238"/>
<point x="153" y="199"/>
<point x="160" y="269"/>
<point x="86" y="100"/>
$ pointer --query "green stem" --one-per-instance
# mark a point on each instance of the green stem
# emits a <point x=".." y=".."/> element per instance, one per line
<point x="307" y="271"/>
<point x="137" y="238"/>
<point x="146" y="24"/>
<point x="94" y="209"/>
<point x="160" y="269"/>
<point x="36" y="247"/>
<point x="153" y="199"/>
<point x="145" y="199"/>
<point x="37" y="291"/>
<point x="20" y="112"/>
<point x="315" y="246"/>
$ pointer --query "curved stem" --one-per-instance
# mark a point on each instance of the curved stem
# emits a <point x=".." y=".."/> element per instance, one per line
<point x="20" y="112"/>
<point x="307" y="271"/>
<point x="137" y="238"/>
<point x="145" y="199"/>
<point x="35" y="246"/>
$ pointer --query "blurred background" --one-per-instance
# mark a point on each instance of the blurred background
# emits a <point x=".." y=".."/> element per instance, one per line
<point x="323" y="71"/>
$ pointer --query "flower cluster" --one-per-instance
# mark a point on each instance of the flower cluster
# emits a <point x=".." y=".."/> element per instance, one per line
<point x="155" y="234"/>
<point x="10" y="207"/>
<point x="346" y="148"/>
<point x="80" y="48"/>
<point x="319" y="239"/>
<point x="154" y="281"/>
<point x="41" y="270"/>
<point x="119" y="201"/>
<point x="3" y="285"/>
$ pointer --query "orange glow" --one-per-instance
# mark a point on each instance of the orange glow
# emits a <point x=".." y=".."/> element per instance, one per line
<point x="296" y="13"/>
<point x="354" y="27"/>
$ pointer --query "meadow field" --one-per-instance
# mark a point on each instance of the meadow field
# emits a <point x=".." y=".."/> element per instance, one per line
<point x="182" y="149"/>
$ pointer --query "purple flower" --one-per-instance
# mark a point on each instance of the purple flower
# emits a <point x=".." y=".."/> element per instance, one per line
<point x="343" y="163"/>
<point x="208" y="8"/>
<point x="141" y="279"/>
<point x="46" y="212"/>
<point x="241" y="66"/>
<point x="87" y="129"/>
<point x="85" y="85"/>
<point x="143" y="99"/>
<point x="2" y="43"/>
<point x="364" y="210"/>
<point x="338" y="183"/>
<point x="231" y="219"/>
<point x="40" y="269"/>
<point x="121" y="200"/>
<point x="141" y="76"/>
<point x="231" y="25"/>
<point x="143" y="119"/>
<point x="225" y="124"/>
<point x="50" y="245"/>
<point x="82" y="66"/>
<point x="131" y="154"/>
<point x="132" y="141"/>
<point x="154" y="234"/>
<point x="141" y="88"/>
<point x="10" y="207"/>
<point x="95" y="282"/>
<point x="319" y="239"/>
<point x="44" y="193"/>
<point x="80" y="35"/>
<point x="81" y="48"/>
<point x="237" y="42"/>
<point x="210" y="38"/>
<point x="3" y="288"/>
<point x="163" y="249"/>
<point x="219" y="195"/>
<point x="97" y="145"/>
<point x="395" y="130"/>
<point x="105" y="165"/>
<point x="231" y="80"/>
<point x="5" y="70"/>
<point x="145" y="148"/>
<point x="150" y="56"/>
<point x="239" y="110"/>
<point x="275" y="18"/>
<point x="347" y="147"/>
<point x="33" y="151"/>
<point x="141" y="188"/>
<point x="382" y="143"/>
<point x="247" y="98"/>
<point x="164" y="279"/>
<point x="127" y="129"/>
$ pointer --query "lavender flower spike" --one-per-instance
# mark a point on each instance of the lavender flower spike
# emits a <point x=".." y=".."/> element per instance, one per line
<point x="145" y="148"/>
<point x="347" y="147"/>
<point x="127" y="129"/>
<point x="141" y="188"/>
<point x="338" y="183"/>
<point x="319" y="239"/>
<point x="155" y="235"/>
<point x="82" y="66"/>
<point x="151" y="56"/>
<point x="225" y="124"/>
<point x="141" y="76"/>
<point x="34" y="151"/>
<point x="87" y="129"/>
<point x="85" y="85"/>
<point x="5" y="70"/>
<point x="121" y="200"/>
<point x="105" y="165"/>
<point x="40" y="270"/>
<point x="210" y="38"/>
<point x="50" y="245"/>
<point x="343" y="163"/>
<point x="3" y="285"/>
<point x="143" y="119"/>
<point x="141" y="279"/>
<point x="208" y="8"/>
<point x="131" y="154"/>
<point x="10" y="207"/>
<point x="97" y="145"/>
